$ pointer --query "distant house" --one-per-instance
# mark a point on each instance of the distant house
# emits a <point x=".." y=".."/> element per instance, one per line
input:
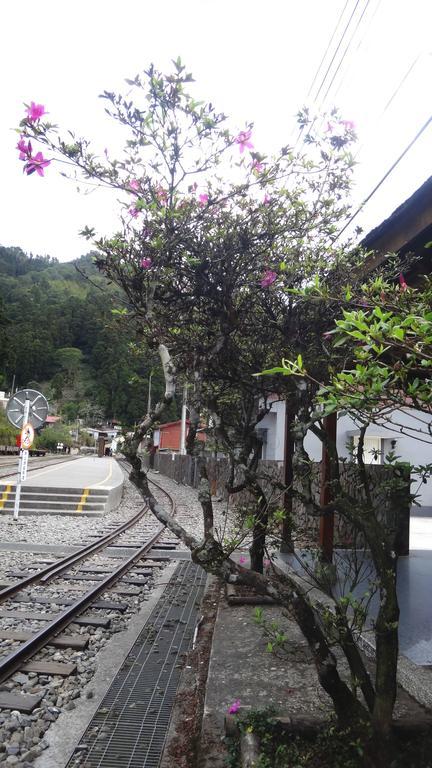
<point x="166" y="437"/>
<point x="51" y="420"/>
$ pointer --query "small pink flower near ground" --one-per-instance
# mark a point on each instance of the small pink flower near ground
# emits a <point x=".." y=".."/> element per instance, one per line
<point x="36" y="163"/>
<point x="268" y="278"/>
<point x="35" y="112"/>
<point x="244" y="140"/>
<point x="146" y="263"/>
<point x="402" y="282"/>
<point x="266" y="563"/>
<point x="242" y="559"/>
<point x="234" y="708"/>
<point x="203" y="199"/>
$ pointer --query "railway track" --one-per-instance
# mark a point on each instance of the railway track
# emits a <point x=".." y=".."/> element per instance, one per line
<point x="59" y="575"/>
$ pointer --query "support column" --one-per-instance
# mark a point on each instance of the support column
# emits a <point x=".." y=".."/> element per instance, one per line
<point x="326" y="534"/>
<point x="287" y="542"/>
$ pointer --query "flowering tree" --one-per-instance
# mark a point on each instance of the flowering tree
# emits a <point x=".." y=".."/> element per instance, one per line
<point x="385" y="328"/>
<point x="212" y="233"/>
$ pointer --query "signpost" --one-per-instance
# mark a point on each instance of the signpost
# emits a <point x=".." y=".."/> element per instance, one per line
<point x="27" y="409"/>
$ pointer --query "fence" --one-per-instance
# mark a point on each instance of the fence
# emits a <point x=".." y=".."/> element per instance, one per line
<point x="392" y="502"/>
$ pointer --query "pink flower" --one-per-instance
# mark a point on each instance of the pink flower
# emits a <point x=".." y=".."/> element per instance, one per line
<point x="242" y="559"/>
<point x="133" y="211"/>
<point x="146" y="263"/>
<point x="267" y="199"/>
<point x="203" y="199"/>
<point x="402" y="282"/>
<point x="234" y="708"/>
<point x="266" y="563"/>
<point x="268" y="278"/>
<point x="35" y="112"/>
<point x="24" y="148"/>
<point x="162" y="195"/>
<point x="36" y="163"/>
<point x="349" y="125"/>
<point x="243" y="140"/>
<point x="134" y="184"/>
<point x="257" y="166"/>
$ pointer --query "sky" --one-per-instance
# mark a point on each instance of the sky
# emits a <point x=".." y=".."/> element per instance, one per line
<point x="255" y="61"/>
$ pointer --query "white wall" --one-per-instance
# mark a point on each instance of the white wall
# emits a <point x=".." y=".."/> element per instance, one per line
<point x="274" y="423"/>
<point x="410" y="449"/>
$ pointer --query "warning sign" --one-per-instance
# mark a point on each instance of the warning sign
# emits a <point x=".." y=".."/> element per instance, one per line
<point x="27" y="436"/>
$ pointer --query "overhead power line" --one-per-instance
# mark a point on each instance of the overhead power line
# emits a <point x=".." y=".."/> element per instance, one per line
<point x="321" y="64"/>
<point x="386" y="175"/>
<point x="359" y="45"/>
<point x="336" y="51"/>
<point x="341" y="60"/>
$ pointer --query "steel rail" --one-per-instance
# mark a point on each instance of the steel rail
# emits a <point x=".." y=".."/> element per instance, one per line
<point x="59" y="566"/>
<point x="13" y="661"/>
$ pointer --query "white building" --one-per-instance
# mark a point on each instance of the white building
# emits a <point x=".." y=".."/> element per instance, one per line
<point x="397" y="436"/>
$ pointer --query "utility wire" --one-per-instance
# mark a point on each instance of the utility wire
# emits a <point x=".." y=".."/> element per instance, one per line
<point x="336" y="51"/>
<point x="321" y="64"/>
<point x="359" y="45"/>
<point x="393" y="96"/>
<point x="386" y="175"/>
<point x="359" y="21"/>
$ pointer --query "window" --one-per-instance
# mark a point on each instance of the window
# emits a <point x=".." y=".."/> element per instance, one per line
<point x="372" y="449"/>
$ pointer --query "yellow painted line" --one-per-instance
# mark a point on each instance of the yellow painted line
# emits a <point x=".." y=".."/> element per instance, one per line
<point x="83" y="500"/>
<point x="105" y="480"/>
<point x="5" y="494"/>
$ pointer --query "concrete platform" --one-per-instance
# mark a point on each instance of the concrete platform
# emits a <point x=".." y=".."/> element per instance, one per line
<point x="90" y="486"/>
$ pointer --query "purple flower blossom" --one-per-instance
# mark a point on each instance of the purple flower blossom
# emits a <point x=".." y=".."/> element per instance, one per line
<point x="133" y="210"/>
<point x="134" y="184"/>
<point x="242" y="559"/>
<point x="267" y="199"/>
<point x="25" y="149"/>
<point x="162" y="195"/>
<point x="35" y="112"/>
<point x="257" y="166"/>
<point x="36" y="163"/>
<point x="146" y="263"/>
<point x="203" y="199"/>
<point x="243" y="140"/>
<point x="268" y="278"/>
<point x="234" y="708"/>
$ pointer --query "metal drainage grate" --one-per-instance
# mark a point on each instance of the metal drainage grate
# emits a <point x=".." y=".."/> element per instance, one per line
<point x="130" y="727"/>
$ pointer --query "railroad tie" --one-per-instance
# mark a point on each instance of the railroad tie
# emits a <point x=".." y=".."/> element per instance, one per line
<point x="5" y="495"/>
<point x="83" y="500"/>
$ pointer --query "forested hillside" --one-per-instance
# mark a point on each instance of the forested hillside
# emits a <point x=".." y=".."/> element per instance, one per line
<point x="57" y="331"/>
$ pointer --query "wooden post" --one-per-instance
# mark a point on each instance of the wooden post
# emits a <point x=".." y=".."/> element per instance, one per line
<point x="287" y="543"/>
<point x="327" y="521"/>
